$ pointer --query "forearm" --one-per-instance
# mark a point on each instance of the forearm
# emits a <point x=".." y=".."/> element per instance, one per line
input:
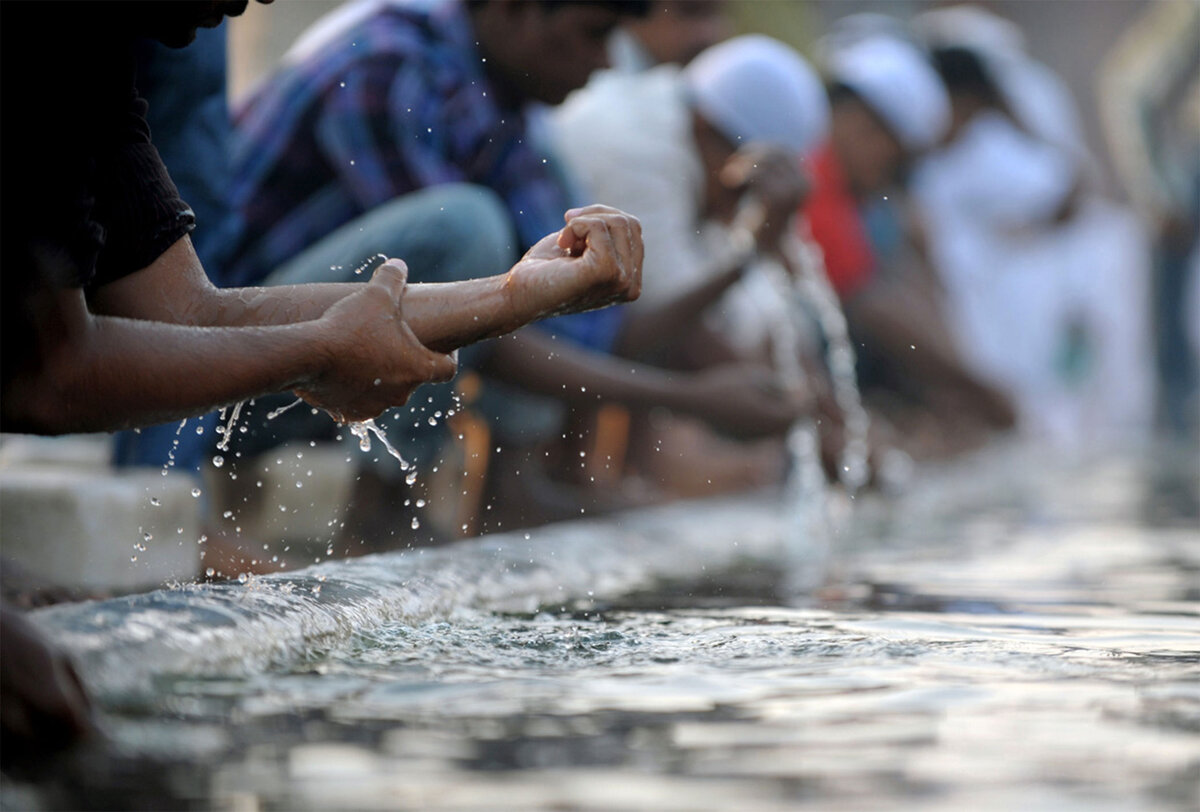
<point x="907" y="335"/>
<point x="554" y="367"/>
<point x="649" y="329"/>
<point x="444" y="316"/>
<point x="112" y="373"/>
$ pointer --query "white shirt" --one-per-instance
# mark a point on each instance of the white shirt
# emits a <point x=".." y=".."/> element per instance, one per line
<point x="627" y="139"/>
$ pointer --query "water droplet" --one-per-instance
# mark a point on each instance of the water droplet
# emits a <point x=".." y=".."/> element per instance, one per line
<point x="210" y="572"/>
<point x="218" y="461"/>
<point x="416" y="523"/>
<point x="154" y="500"/>
<point x="243" y="577"/>
<point x="196" y="492"/>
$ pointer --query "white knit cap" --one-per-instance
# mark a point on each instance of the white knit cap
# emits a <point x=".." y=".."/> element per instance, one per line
<point x="756" y="89"/>
<point x="898" y="82"/>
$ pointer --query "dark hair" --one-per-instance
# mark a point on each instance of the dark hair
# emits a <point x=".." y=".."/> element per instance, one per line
<point x="840" y="92"/>
<point x="963" y="71"/>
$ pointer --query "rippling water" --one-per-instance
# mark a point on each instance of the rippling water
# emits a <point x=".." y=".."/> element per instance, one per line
<point x="1003" y="637"/>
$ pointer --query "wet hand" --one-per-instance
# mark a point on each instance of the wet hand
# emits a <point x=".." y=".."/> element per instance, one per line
<point x="43" y="705"/>
<point x="373" y="359"/>
<point x="595" y="261"/>
<point x="774" y="185"/>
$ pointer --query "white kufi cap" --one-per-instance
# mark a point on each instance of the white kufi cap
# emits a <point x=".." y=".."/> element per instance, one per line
<point x="898" y="82"/>
<point x="756" y="89"/>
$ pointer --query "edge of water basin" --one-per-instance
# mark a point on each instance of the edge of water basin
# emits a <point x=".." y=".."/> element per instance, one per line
<point x="125" y="644"/>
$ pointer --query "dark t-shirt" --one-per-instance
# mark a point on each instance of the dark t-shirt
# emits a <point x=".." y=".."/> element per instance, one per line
<point x="85" y="197"/>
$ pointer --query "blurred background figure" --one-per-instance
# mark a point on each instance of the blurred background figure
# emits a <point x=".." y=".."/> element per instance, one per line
<point x="673" y="33"/>
<point x="888" y="109"/>
<point x="1149" y="93"/>
<point x="687" y="150"/>
<point x="1046" y="281"/>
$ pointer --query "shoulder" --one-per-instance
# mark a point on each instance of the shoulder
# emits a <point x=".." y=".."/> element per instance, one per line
<point x="624" y="112"/>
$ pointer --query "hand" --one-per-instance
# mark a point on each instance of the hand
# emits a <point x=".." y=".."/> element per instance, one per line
<point x="771" y="179"/>
<point x="744" y="400"/>
<point x="595" y="261"/>
<point x="374" y="360"/>
<point x="43" y="705"/>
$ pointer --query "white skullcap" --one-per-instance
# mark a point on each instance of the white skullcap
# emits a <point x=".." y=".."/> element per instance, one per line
<point x="896" y="80"/>
<point x="845" y="31"/>
<point x="1038" y="98"/>
<point x="972" y="28"/>
<point x="756" y="89"/>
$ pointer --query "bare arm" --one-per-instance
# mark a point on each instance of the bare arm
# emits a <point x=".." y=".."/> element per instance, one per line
<point x="648" y="330"/>
<point x="593" y="262"/>
<point x="741" y="400"/>
<point x="99" y="372"/>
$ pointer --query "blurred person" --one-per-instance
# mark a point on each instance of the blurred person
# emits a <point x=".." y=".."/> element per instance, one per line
<point x="1046" y="281"/>
<point x="673" y="32"/>
<point x="110" y="322"/>
<point x="1149" y="93"/>
<point x="888" y="107"/>
<point x="689" y="149"/>
<point x="384" y="103"/>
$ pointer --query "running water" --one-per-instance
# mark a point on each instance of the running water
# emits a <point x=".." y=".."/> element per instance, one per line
<point x="1012" y="632"/>
<point x="807" y="492"/>
<point x="815" y="289"/>
<point x="812" y="288"/>
<point x="226" y="431"/>
<point x="363" y="431"/>
<point x="274" y="413"/>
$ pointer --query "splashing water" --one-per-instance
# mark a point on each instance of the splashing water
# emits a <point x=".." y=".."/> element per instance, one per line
<point x="363" y="431"/>
<point x="807" y="492"/>
<point x="815" y="288"/>
<point x="226" y="431"/>
<point x="274" y="413"/>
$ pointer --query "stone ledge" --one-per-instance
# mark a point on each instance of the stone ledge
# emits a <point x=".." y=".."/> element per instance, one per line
<point x="87" y="527"/>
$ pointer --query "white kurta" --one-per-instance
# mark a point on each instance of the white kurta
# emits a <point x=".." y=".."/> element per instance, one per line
<point x="1056" y="314"/>
<point x="627" y="139"/>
